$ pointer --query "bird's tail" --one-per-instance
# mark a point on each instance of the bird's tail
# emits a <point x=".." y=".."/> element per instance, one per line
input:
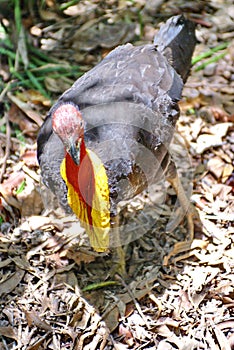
<point x="176" y="40"/>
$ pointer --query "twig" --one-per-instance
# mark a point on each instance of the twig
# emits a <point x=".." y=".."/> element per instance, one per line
<point x="15" y="140"/>
<point x="8" y="147"/>
<point x="137" y="305"/>
<point x="4" y="91"/>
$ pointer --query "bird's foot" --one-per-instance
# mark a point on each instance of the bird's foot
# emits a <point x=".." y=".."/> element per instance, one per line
<point x="182" y="247"/>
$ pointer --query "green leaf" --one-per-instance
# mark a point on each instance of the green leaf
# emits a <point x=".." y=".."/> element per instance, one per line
<point x="209" y="52"/>
<point x="21" y="187"/>
<point x="3" y="128"/>
<point x="19" y="135"/>
<point x="99" y="285"/>
<point x="17" y="12"/>
<point x="37" y="85"/>
<point x="211" y="60"/>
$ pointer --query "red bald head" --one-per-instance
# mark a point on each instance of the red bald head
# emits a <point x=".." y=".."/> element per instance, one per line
<point x="68" y="124"/>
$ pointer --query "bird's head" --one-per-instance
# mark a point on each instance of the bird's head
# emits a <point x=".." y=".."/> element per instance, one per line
<point x="68" y="124"/>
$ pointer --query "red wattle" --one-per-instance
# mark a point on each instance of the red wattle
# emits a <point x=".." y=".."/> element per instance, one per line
<point x="81" y="177"/>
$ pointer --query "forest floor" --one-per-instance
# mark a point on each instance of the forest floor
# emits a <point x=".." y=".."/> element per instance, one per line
<point x="55" y="292"/>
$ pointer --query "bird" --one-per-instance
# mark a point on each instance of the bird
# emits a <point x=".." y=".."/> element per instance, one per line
<point x="107" y="138"/>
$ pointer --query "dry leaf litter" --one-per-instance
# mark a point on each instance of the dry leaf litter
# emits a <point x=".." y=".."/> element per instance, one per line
<point x="55" y="291"/>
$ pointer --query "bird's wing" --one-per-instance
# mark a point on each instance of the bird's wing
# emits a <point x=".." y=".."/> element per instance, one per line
<point x="134" y="74"/>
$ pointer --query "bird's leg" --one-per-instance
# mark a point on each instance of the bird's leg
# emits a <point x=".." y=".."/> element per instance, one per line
<point x="118" y="252"/>
<point x="174" y="180"/>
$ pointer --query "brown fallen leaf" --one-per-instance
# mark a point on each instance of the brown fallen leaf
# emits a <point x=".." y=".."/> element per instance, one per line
<point x="212" y="136"/>
<point x="127" y="335"/>
<point x="11" y="183"/>
<point x="8" y="187"/>
<point x="8" y="285"/>
<point x="33" y="318"/>
<point x="17" y="116"/>
<point x="165" y="332"/>
<point x="112" y="318"/>
<point x="34" y="96"/>
<point x="223" y="155"/>
<point x="222" y="340"/>
<point x="29" y="112"/>
<point x="37" y="222"/>
<point x="30" y="158"/>
<point x="78" y="257"/>
<point x="168" y="321"/>
<point x="216" y="165"/>
<point x="221" y="115"/>
<point x="103" y="35"/>
<point x="227" y="171"/>
<point x="29" y="198"/>
<point x="9" y="332"/>
<point x="221" y="190"/>
<point x="56" y="261"/>
<point x="37" y="344"/>
<point x="226" y="324"/>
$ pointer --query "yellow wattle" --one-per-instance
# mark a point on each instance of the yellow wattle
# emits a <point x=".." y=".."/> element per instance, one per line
<point x="98" y="232"/>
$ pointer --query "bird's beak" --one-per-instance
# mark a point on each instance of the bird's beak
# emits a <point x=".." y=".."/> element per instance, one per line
<point x="74" y="151"/>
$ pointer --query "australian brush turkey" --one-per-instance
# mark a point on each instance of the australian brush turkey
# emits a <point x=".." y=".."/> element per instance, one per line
<point x="107" y="137"/>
